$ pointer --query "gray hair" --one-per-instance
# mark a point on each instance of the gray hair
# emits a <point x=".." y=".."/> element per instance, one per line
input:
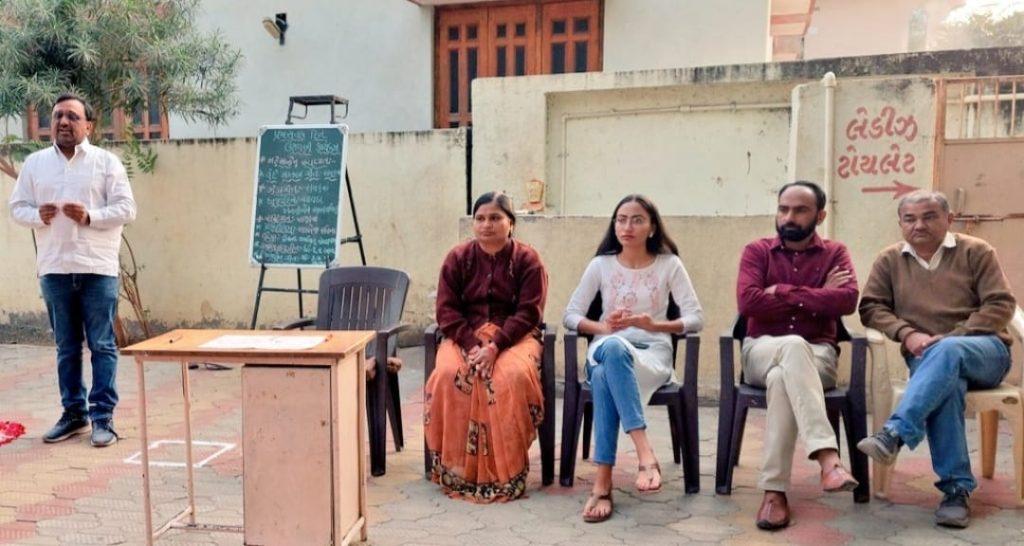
<point x="920" y="196"/>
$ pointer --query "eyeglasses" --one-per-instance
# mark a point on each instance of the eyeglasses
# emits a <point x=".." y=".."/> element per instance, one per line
<point x="635" y="221"/>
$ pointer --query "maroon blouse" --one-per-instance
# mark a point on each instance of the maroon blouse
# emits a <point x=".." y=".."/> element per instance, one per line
<point x="508" y="289"/>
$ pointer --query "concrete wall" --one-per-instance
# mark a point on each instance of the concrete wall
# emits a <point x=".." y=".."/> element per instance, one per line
<point x="715" y="149"/>
<point x="621" y="129"/>
<point x="379" y="55"/>
<point x="646" y="34"/>
<point x="192" y="233"/>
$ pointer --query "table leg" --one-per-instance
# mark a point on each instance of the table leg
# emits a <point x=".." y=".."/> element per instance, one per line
<point x="144" y="439"/>
<point x="361" y="410"/>
<point x="187" y="394"/>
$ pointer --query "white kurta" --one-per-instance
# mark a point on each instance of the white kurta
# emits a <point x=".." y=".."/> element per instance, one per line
<point x="644" y="290"/>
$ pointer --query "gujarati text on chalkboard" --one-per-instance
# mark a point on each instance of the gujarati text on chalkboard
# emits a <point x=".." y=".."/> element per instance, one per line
<point x="296" y="207"/>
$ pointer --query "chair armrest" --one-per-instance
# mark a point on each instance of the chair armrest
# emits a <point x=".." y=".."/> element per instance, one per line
<point x="431" y="337"/>
<point x="881" y="383"/>
<point x="726" y="353"/>
<point x="691" y="364"/>
<point x="392" y="330"/>
<point x="858" y="370"/>
<point x="293" y="323"/>
<point x="570" y="339"/>
<point x="874" y="337"/>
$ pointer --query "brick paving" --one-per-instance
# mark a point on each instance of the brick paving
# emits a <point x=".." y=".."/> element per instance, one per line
<point x="71" y="493"/>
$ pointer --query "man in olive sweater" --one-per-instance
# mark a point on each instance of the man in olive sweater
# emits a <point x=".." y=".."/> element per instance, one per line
<point x="944" y="297"/>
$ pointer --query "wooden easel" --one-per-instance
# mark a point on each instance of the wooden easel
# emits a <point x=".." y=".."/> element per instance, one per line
<point x="306" y="101"/>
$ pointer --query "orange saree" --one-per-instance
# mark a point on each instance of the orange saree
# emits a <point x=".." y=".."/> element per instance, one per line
<point x="479" y="431"/>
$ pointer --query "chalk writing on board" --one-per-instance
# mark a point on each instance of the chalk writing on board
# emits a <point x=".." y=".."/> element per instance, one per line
<point x="296" y="212"/>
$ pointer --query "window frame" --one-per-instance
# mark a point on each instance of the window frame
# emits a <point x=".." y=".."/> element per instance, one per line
<point x="487" y="16"/>
<point x="115" y="131"/>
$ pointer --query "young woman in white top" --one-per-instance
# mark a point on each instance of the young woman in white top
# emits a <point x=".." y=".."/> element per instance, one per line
<point x="636" y="268"/>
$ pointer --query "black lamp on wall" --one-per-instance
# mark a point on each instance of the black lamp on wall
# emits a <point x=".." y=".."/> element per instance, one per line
<point x="277" y="26"/>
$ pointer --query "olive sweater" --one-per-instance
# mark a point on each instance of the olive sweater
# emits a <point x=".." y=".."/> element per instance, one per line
<point x="967" y="294"/>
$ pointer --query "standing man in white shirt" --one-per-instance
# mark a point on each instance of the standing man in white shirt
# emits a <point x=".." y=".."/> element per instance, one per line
<point x="76" y="197"/>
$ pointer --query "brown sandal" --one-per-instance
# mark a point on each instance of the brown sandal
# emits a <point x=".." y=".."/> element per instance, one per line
<point x="597" y="498"/>
<point x="654" y="466"/>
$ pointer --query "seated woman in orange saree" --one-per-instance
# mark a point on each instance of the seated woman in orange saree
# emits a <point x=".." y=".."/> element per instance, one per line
<point x="483" y="402"/>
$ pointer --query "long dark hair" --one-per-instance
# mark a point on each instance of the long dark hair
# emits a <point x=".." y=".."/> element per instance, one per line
<point x="659" y="243"/>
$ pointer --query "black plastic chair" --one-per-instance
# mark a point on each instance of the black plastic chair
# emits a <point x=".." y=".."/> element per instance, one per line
<point x="679" y="400"/>
<point x="546" y="432"/>
<point x="737" y="397"/>
<point x="368" y="298"/>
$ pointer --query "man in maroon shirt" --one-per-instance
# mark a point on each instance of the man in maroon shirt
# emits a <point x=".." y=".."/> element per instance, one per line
<point x="791" y="289"/>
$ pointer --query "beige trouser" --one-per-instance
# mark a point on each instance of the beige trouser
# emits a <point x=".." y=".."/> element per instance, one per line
<point x="795" y="374"/>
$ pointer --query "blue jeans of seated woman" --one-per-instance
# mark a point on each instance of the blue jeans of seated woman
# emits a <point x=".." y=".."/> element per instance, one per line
<point x="933" y="403"/>
<point x="616" y="397"/>
<point x="82" y="308"/>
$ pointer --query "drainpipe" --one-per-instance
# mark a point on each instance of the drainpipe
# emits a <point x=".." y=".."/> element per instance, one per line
<point x="829" y="83"/>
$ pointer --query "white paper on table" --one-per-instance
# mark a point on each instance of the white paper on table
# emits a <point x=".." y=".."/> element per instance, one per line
<point x="280" y="343"/>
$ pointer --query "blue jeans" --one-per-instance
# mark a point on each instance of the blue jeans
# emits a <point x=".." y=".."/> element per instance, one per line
<point x="83" y="305"/>
<point x="616" y="398"/>
<point x="933" y="403"/>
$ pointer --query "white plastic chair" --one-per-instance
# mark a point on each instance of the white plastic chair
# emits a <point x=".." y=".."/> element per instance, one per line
<point x="1007" y="400"/>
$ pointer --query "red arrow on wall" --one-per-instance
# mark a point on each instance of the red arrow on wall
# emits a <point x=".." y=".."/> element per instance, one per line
<point x="898" y="188"/>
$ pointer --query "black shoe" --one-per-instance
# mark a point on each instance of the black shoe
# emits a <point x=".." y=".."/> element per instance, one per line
<point x="103" y="433"/>
<point x="67" y="426"/>
<point x="954" y="511"/>
<point x="882" y="446"/>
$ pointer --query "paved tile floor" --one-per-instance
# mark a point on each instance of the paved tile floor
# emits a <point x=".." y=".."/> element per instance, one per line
<point x="71" y="493"/>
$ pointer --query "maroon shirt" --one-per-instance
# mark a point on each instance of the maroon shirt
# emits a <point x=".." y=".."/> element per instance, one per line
<point x="508" y="289"/>
<point x="800" y="304"/>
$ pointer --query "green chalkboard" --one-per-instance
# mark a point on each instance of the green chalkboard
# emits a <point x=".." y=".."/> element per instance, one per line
<point x="296" y="214"/>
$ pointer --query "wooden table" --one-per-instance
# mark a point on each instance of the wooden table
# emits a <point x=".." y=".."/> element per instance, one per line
<point x="340" y="356"/>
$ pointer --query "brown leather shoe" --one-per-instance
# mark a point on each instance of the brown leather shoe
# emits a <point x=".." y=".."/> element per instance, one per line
<point x="774" y="511"/>
<point x="837" y="479"/>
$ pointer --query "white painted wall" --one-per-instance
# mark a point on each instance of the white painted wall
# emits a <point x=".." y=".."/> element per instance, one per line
<point x="715" y="149"/>
<point x="646" y="34"/>
<point x="377" y="54"/>
<point x="519" y="128"/>
<point x="845" y="28"/>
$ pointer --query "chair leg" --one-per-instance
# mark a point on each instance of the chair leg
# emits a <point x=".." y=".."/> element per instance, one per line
<point x="739" y="419"/>
<point x="588" y="426"/>
<point x="856" y="428"/>
<point x="571" y="424"/>
<point x="738" y="426"/>
<point x="723" y="458"/>
<point x="690" y="447"/>
<point x="1016" y="418"/>
<point x="989" y="425"/>
<point x="547" y="440"/>
<point x="673" y="428"/>
<point x="376" y="401"/>
<point x="394" y="410"/>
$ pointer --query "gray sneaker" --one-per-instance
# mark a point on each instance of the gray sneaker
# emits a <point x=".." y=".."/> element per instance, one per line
<point x="882" y="446"/>
<point x="67" y="426"/>
<point x="103" y="433"/>
<point x="954" y="511"/>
